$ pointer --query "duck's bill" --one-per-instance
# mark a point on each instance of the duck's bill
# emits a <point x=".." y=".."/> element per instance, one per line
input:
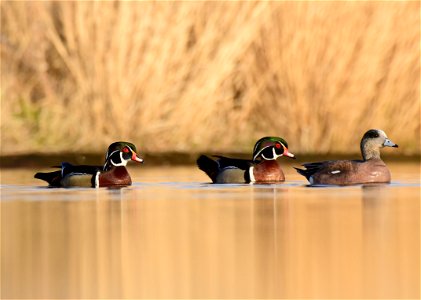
<point x="137" y="158"/>
<point x="289" y="154"/>
<point x="389" y="143"/>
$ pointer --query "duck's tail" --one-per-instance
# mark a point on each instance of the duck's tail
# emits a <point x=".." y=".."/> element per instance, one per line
<point x="53" y="178"/>
<point x="310" y="169"/>
<point x="303" y="172"/>
<point x="209" y="166"/>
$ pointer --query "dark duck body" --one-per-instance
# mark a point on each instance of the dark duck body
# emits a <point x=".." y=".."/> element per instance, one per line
<point x="262" y="168"/>
<point x="371" y="169"/>
<point x="112" y="174"/>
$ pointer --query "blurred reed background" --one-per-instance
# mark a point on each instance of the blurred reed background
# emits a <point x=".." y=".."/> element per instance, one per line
<point x="208" y="76"/>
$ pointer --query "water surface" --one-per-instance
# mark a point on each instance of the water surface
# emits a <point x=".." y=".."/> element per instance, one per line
<point x="172" y="235"/>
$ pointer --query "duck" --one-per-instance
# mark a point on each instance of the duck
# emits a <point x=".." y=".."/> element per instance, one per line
<point x="371" y="169"/>
<point x="112" y="174"/>
<point x="262" y="168"/>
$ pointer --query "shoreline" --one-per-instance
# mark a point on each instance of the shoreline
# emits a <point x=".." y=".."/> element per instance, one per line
<point x="169" y="159"/>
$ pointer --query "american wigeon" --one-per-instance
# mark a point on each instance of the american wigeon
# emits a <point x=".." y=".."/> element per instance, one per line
<point x="371" y="169"/>
<point x="262" y="168"/>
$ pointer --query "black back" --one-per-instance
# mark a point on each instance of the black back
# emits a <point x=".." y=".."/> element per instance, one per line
<point x="212" y="167"/>
<point x="54" y="178"/>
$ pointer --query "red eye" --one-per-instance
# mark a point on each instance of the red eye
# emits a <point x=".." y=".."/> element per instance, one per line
<point x="125" y="150"/>
<point x="278" y="146"/>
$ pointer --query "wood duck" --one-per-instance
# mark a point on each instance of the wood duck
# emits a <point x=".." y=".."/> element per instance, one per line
<point x="263" y="168"/>
<point x="371" y="169"/>
<point x="112" y="173"/>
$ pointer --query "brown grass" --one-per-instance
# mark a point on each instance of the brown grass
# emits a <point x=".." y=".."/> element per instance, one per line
<point x="208" y="76"/>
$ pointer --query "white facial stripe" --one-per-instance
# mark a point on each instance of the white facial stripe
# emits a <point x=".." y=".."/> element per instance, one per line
<point x="255" y="147"/>
<point x="122" y="163"/>
<point x="112" y="153"/>
<point x="252" y="179"/>
<point x="275" y="156"/>
<point x="258" y="153"/>
<point x="108" y="155"/>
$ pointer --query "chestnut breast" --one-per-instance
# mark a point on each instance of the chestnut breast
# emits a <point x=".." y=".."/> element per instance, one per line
<point x="268" y="171"/>
<point x="117" y="176"/>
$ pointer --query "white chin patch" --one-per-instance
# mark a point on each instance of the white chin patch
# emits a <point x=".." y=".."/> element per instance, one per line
<point x="274" y="154"/>
<point x="123" y="162"/>
<point x="274" y="157"/>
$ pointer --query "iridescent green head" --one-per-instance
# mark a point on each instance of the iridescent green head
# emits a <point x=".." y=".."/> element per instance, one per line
<point x="119" y="153"/>
<point x="270" y="148"/>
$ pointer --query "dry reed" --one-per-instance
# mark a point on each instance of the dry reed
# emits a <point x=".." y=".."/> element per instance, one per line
<point x="208" y="76"/>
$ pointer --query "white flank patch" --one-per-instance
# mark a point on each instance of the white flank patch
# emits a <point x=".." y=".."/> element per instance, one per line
<point x="335" y="172"/>
<point x="311" y="180"/>
<point x="252" y="179"/>
<point x="229" y="168"/>
<point x="97" y="179"/>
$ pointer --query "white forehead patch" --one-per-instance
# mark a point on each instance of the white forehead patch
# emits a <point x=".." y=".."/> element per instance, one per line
<point x="382" y="133"/>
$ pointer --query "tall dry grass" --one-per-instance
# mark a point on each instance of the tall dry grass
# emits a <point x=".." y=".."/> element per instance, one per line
<point x="206" y="76"/>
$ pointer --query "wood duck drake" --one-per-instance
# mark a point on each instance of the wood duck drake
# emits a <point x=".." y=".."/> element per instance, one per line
<point x="371" y="169"/>
<point x="112" y="174"/>
<point x="263" y="168"/>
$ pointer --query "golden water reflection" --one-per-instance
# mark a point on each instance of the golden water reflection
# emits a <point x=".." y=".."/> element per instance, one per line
<point x="200" y="241"/>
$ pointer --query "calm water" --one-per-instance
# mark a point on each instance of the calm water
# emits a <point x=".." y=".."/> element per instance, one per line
<point x="171" y="235"/>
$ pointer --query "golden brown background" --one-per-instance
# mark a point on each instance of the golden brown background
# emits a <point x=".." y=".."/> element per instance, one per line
<point x="202" y="76"/>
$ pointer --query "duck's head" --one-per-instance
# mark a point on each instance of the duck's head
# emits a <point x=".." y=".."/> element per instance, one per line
<point x="119" y="153"/>
<point x="372" y="141"/>
<point x="270" y="148"/>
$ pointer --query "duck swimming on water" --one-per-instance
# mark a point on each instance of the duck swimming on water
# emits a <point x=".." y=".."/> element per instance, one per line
<point x="112" y="173"/>
<point x="371" y="169"/>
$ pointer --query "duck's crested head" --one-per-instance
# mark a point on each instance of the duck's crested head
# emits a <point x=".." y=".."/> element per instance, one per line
<point x="119" y="153"/>
<point x="372" y="141"/>
<point x="270" y="148"/>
